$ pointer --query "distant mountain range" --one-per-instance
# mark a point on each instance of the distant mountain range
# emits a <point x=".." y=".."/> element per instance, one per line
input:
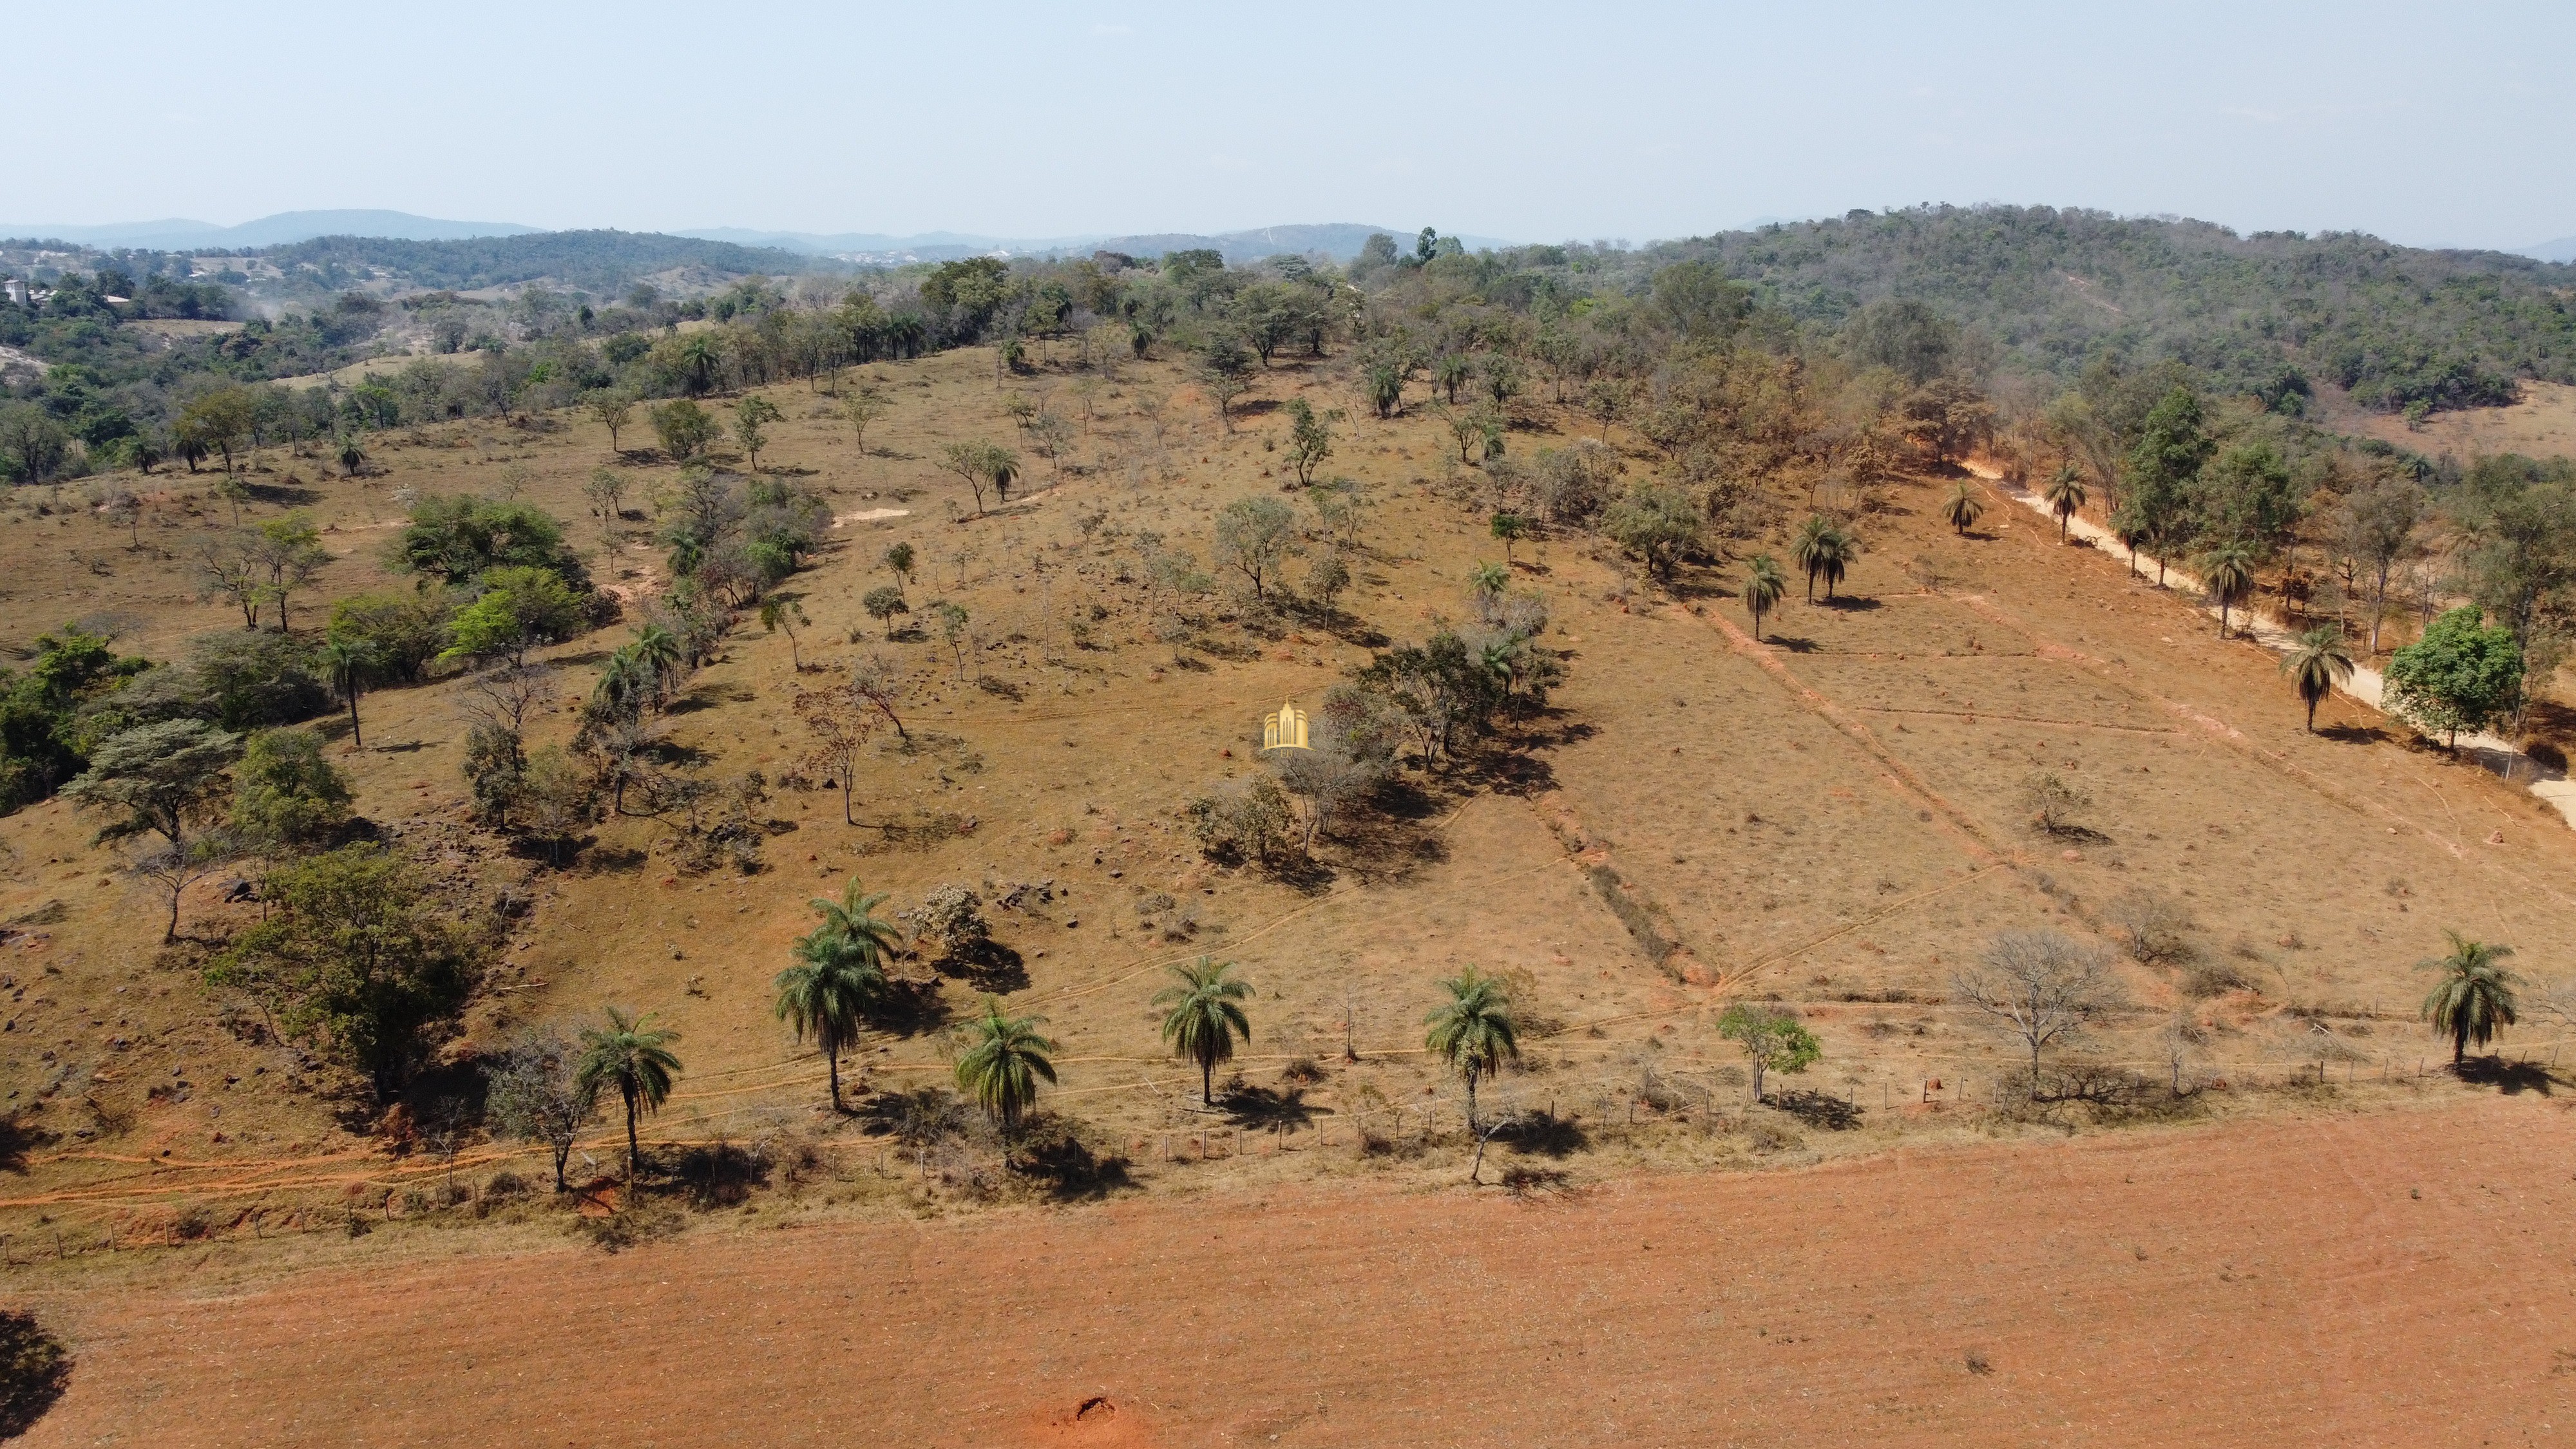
<point x="1339" y="240"/>
<point x="2561" y="250"/>
<point x="179" y="235"/>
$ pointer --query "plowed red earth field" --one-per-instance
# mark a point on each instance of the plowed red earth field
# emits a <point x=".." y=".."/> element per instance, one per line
<point x="2276" y="1282"/>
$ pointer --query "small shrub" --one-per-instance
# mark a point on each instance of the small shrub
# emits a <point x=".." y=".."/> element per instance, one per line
<point x="2151" y="926"/>
<point x="2054" y="803"/>
<point x="1772" y="1137"/>
<point x="2213" y="977"/>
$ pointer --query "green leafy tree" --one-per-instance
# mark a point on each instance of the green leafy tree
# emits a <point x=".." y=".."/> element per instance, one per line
<point x="1252" y="536"/>
<point x="355" y="955"/>
<point x="782" y="614"/>
<point x="1004" y="1060"/>
<point x="286" y="795"/>
<point x="900" y="560"/>
<point x="2322" y="660"/>
<point x="1310" y="438"/>
<point x="2460" y="676"/>
<point x="862" y="407"/>
<point x="982" y="466"/>
<point x="635" y="1059"/>
<point x="751" y="419"/>
<point x="612" y="409"/>
<point x="519" y="609"/>
<point x="2164" y="468"/>
<point x="1772" y="1038"/>
<point x="2065" y="497"/>
<point x="157" y="777"/>
<point x="1473" y="1032"/>
<point x="1656" y="525"/>
<point x="1763" y="587"/>
<point x="684" y="428"/>
<point x="1507" y="529"/>
<point x="2474" y="998"/>
<point x="456" y="539"/>
<point x="536" y="1096"/>
<point x="1205" y="1016"/>
<point x="1964" y="508"/>
<point x="838" y="975"/>
<point x="883" y="603"/>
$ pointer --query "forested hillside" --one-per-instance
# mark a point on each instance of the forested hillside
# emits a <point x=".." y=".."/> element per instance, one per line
<point x="2270" y="313"/>
<point x="593" y="260"/>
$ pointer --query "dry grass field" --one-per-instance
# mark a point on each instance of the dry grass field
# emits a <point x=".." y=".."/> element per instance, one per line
<point x="1831" y="817"/>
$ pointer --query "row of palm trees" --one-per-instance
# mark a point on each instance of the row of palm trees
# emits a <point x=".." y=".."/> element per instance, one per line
<point x="840" y="969"/>
<point x="2320" y="660"/>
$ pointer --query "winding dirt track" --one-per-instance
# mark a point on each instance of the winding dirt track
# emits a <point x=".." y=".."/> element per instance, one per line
<point x="2266" y="1283"/>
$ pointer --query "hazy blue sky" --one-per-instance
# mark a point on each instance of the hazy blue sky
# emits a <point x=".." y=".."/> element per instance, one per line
<point x="2423" y="123"/>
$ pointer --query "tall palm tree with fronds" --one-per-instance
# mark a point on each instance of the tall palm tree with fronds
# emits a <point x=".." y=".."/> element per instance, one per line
<point x="1835" y="554"/>
<point x="1206" y="1016"/>
<point x="839" y="973"/>
<point x="1809" y="548"/>
<point x="350" y="664"/>
<point x="2065" y="495"/>
<point x="2475" y="998"/>
<point x="1964" y="508"/>
<point x="1005" y="1059"/>
<point x="637" y="1061"/>
<point x="1473" y="1031"/>
<point x="2322" y="661"/>
<point x="659" y="651"/>
<point x="1763" y="587"/>
<point x="625" y="682"/>
<point x="2228" y="570"/>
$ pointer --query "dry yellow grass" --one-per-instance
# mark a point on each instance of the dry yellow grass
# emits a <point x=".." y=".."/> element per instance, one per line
<point x="1831" y="817"/>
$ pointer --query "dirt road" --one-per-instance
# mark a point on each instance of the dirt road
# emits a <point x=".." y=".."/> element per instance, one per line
<point x="2402" y="1277"/>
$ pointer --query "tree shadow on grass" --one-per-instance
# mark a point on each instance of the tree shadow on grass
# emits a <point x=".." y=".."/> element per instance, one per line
<point x="1266" y="1107"/>
<point x="1542" y="1135"/>
<point x="2511" y="1078"/>
<point x="989" y="967"/>
<point x="1832" y="1114"/>
<point x="38" y="1369"/>
<point x="1052" y="1153"/>
<point x="907" y="1008"/>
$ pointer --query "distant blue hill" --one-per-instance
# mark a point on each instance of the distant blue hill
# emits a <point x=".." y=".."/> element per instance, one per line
<point x="268" y="231"/>
<point x="1340" y="240"/>
<point x="2561" y="250"/>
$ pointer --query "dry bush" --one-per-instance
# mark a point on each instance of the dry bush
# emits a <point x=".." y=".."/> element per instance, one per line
<point x="1772" y="1137"/>
<point x="2054" y="803"/>
<point x="2151" y="926"/>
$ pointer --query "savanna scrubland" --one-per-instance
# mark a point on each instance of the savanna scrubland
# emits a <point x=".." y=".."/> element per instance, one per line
<point x="810" y="729"/>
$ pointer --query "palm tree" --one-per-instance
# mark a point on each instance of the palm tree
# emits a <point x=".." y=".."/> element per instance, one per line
<point x="1003" y="1063"/>
<point x="1808" y="549"/>
<point x="1763" y="587"/>
<point x="839" y="970"/>
<point x="1473" y="1030"/>
<point x="625" y="682"/>
<point x="346" y="663"/>
<point x="2322" y="661"/>
<point x="635" y="1060"/>
<point x="1488" y="580"/>
<point x="1964" y="507"/>
<point x="2065" y="495"/>
<point x="2474" y="1000"/>
<point x="1835" y="554"/>
<point x="659" y="651"/>
<point x="1205" y="1016"/>
<point x="2229" y="571"/>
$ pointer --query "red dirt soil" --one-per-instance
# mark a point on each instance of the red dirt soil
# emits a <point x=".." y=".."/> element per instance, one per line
<point x="2276" y="1282"/>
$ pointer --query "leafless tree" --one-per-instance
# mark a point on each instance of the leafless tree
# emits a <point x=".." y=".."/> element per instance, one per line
<point x="504" y="697"/>
<point x="2040" y="987"/>
<point x="171" y="869"/>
